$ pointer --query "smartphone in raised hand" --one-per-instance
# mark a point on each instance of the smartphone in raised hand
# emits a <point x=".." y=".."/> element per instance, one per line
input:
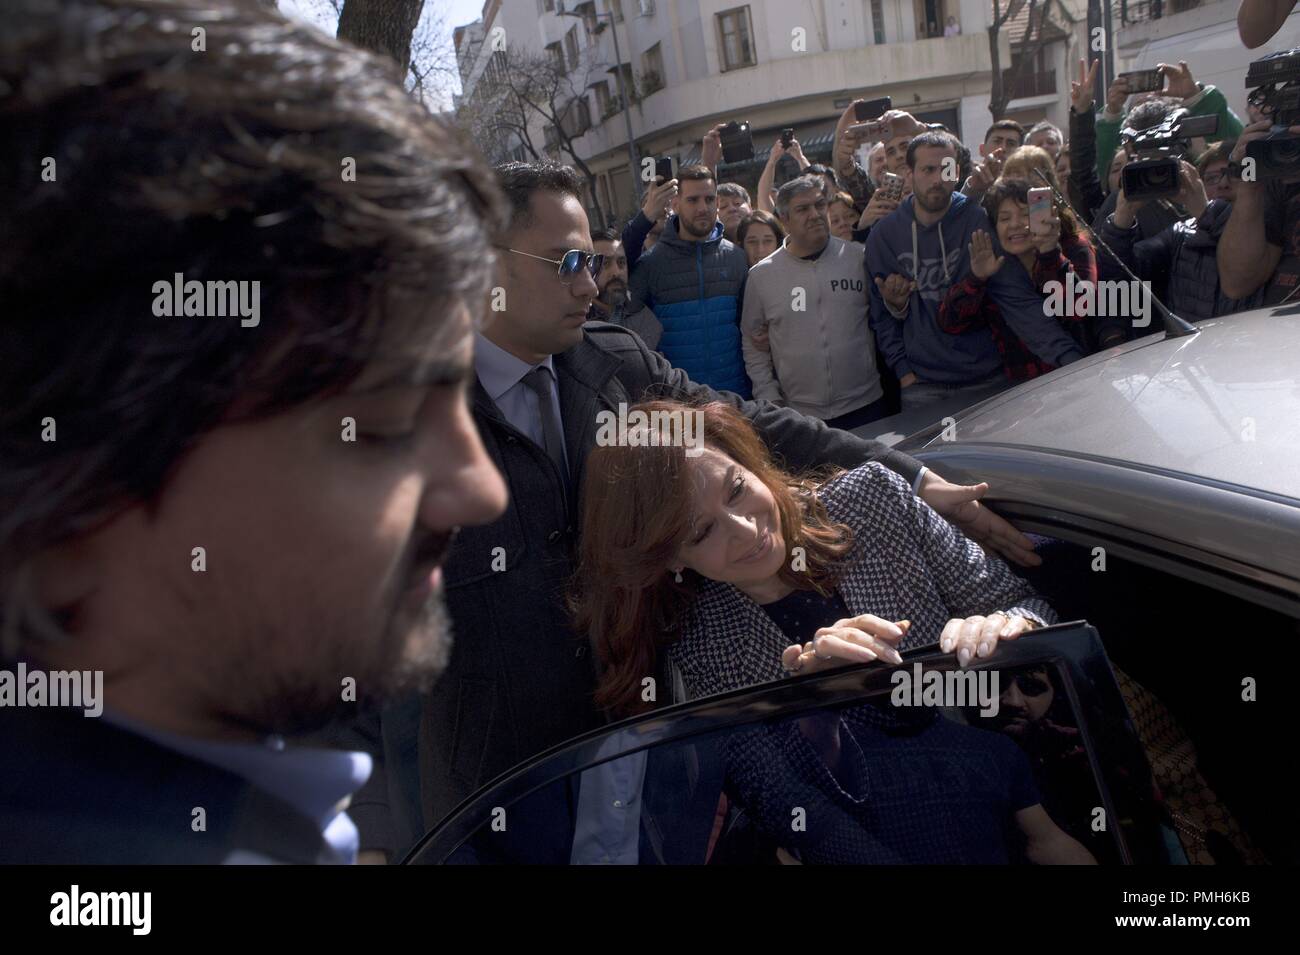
<point x="871" y="109"/>
<point x="1144" y="81"/>
<point x="664" y="169"/>
<point x="871" y="132"/>
<point x="892" y="186"/>
<point x="1040" y="209"/>
<point x="737" y="142"/>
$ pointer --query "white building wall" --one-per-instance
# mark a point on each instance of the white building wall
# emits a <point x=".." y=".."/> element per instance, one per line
<point x="1206" y="37"/>
<point x="785" y="87"/>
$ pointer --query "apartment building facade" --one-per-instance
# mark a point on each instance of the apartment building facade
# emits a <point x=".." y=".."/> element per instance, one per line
<point x="688" y="64"/>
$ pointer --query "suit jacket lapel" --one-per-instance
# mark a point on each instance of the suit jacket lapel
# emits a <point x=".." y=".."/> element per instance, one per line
<point x="581" y="375"/>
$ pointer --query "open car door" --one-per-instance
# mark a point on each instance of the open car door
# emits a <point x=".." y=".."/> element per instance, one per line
<point x="1027" y="756"/>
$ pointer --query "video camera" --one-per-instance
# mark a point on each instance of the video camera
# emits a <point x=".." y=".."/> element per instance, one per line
<point x="1274" y="84"/>
<point x="1153" y="172"/>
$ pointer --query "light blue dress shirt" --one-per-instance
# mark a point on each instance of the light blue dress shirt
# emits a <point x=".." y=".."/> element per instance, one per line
<point x="318" y="783"/>
<point x="502" y="377"/>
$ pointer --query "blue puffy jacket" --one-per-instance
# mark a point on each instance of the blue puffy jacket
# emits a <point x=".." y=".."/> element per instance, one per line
<point x="695" y="289"/>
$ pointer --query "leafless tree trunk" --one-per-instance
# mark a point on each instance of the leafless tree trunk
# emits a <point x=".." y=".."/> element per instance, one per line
<point x="1003" y="87"/>
<point x="385" y="26"/>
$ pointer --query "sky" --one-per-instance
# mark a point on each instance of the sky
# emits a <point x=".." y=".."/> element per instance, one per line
<point x="321" y="14"/>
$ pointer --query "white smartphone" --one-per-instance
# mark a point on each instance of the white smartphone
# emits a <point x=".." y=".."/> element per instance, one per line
<point x="1040" y="208"/>
<point x="869" y="132"/>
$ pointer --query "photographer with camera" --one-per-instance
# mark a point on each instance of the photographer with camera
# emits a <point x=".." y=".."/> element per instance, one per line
<point x="1156" y="140"/>
<point x="1261" y="243"/>
<point x="1260" y="247"/>
<point x="1183" y="254"/>
<point x="1178" y="87"/>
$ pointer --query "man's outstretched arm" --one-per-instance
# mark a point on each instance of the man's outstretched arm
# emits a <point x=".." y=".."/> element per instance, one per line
<point x="805" y="442"/>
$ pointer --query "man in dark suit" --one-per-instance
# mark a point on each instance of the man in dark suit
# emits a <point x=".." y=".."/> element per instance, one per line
<point x="229" y="520"/>
<point x="521" y="679"/>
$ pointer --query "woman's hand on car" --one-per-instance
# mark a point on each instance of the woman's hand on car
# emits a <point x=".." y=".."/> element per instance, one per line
<point x="978" y="636"/>
<point x="861" y="639"/>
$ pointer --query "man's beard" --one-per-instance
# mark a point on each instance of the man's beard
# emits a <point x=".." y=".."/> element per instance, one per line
<point x="409" y="659"/>
<point x="925" y="200"/>
<point x="410" y="654"/>
<point x="614" y="294"/>
<point x="685" y="226"/>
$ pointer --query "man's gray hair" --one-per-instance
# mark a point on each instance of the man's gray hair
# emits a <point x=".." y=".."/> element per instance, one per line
<point x="1043" y="126"/>
<point x="795" y="188"/>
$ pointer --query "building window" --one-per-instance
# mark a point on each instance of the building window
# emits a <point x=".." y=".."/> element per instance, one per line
<point x="548" y="5"/>
<point x="496" y="68"/>
<point x="736" y="35"/>
<point x="571" y="45"/>
<point x="652" y="69"/>
<point x="647" y="7"/>
<point x="575" y="118"/>
<point x="616" y="8"/>
<point x="556" y="54"/>
<point x="588" y="13"/>
<point x="604" y="102"/>
<point x="878" y="20"/>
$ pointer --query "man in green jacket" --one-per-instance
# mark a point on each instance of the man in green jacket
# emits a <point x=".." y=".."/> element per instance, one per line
<point x="1197" y="98"/>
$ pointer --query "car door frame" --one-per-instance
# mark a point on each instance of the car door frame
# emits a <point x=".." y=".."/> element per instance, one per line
<point x="1076" y="641"/>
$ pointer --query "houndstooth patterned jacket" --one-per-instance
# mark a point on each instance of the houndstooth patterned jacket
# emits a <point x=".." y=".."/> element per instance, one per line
<point x="907" y="563"/>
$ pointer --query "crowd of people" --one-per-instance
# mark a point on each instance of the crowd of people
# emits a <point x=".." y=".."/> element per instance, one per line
<point x="270" y="532"/>
<point x="861" y="300"/>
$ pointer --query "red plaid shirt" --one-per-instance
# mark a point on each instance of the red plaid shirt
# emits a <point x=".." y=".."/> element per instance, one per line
<point x="968" y="306"/>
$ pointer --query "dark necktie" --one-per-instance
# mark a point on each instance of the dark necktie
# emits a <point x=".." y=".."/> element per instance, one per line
<point x="539" y="380"/>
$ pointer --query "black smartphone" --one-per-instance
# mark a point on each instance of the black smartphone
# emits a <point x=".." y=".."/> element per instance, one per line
<point x="787" y="137"/>
<point x="664" y="168"/>
<point x="1144" y="81"/>
<point x="872" y="109"/>
<point x="737" y="142"/>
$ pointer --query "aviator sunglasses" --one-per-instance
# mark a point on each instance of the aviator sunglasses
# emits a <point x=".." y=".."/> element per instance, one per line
<point x="572" y="261"/>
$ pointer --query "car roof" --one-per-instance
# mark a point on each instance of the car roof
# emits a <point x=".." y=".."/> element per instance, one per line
<point x="1222" y="405"/>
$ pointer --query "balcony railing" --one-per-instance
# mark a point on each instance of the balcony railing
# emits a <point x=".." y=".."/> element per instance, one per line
<point x="1031" y="84"/>
<point x="1141" y="11"/>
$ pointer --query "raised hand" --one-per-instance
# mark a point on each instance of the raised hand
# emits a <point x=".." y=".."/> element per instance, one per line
<point x="1178" y="80"/>
<point x="985" y="174"/>
<point x="1049" y="236"/>
<point x="983" y="263"/>
<point x="657" y="198"/>
<point x="879" y="207"/>
<point x="711" y="148"/>
<point x="1117" y="95"/>
<point x="1081" y="90"/>
<point x="1191" y="191"/>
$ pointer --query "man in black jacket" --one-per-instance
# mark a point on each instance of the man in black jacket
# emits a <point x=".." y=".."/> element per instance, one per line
<point x="520" y="679"/>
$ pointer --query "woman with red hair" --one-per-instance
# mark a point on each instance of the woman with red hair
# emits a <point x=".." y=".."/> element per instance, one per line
<point x="704" y="564"/>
